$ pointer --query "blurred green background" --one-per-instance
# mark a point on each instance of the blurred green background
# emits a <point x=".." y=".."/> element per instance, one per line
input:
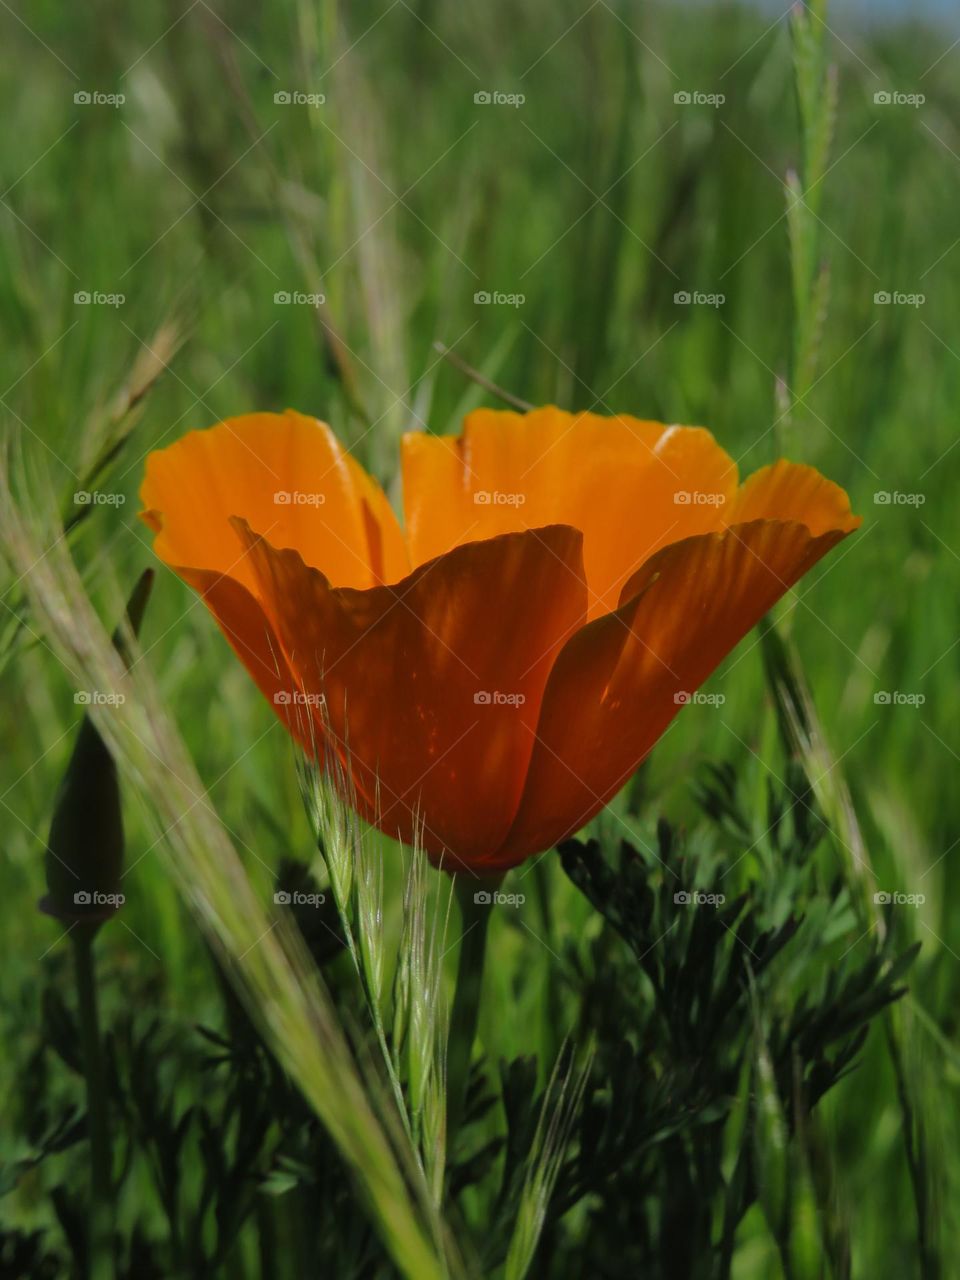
<point x="203" y="197"/>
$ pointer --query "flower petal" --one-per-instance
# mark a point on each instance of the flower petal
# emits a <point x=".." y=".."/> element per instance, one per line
<point x="613" y="690"/>
<point x="793" y="491"/>
<point x="250" y="635"/>
<point x="432" y="687"/>
<point x="289" y="476"/>
<point x="631" y="486"/>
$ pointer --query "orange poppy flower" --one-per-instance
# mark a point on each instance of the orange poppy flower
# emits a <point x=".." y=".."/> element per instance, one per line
<point x="492" y="677"/>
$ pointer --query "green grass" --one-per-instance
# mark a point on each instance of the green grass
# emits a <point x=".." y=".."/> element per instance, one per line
<point x="598" y="199"/>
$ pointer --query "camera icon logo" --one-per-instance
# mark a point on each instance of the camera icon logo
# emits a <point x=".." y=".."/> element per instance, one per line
<point x="482" y="898"/>
<point x="482" y="498"/>
<point x="282" y="98"/>
<point x="482" y="299"/>
<point x="281" y="298"/>
<point x="81" y="298"/>
<point x="882" y="899"/>
<point x="883" y="97"/>
<point x="682" y="98"/>
<point x="82" y="498"/>
<point x="882" y="498"/>
<point x="482" y="698"/>
<point x="681" y="697"/>
<point x="682" y="899"/>
<point x="881" y="298"/>
<point x="482" y="99"/>
<point x="282" y="498"/>
<point x="82" y="98"/>
<point x="82" y="898"/>
<point x="82" y="698"/>
<point x="681" y="298"/>
<point x="882" y="698"/>
<point x="282" y="898"/>
<point x="283" y="698"/>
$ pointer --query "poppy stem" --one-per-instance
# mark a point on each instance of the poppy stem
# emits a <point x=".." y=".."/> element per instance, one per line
<point x="101" y="1195"/>
<point x="476" y="906"/>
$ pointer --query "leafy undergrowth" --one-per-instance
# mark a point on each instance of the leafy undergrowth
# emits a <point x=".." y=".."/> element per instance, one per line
<point x="712" y="1005"/>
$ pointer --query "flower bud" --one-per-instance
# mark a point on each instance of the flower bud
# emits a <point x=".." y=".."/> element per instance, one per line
<point x="84" y="855"/>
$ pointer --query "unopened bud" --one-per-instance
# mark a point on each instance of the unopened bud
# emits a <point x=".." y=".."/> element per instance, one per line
<point x="84" y="856"/>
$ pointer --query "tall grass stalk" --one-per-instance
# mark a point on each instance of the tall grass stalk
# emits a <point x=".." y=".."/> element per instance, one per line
<point x="106" y="434"/>
<point x="561" y="1106"/>
<point x="427" y="1058"/>
<point x="420" y="1014"/>
<point x="352" y="869"/>
<point x="804" y="731"/>
<point x="816" y="91"/>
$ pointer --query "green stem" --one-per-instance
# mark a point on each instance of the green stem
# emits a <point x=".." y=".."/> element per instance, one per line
<point x="914" y="1145"/>
<point x="475" y="915"/>
<point x="101" y="1207"/>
